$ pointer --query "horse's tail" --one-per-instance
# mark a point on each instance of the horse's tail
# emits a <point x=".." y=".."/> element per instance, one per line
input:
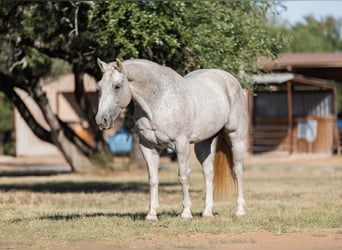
<point x="224" y="177"/>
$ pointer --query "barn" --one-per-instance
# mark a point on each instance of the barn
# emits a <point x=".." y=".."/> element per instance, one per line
<point x="293" y="113"/>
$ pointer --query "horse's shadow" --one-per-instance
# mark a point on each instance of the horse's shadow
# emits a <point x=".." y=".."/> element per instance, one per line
<point x="133" y="216"/>
<point x="81" y="187"/>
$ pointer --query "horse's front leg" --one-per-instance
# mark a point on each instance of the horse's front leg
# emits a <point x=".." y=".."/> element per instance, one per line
<point x="183" y="155"/>
<point x="151" y="156"/>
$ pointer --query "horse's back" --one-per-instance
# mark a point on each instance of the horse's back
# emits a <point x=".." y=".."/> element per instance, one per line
<point x="214" y="77"/>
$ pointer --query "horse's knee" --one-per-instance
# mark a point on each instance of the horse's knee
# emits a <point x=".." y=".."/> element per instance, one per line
<point x="153" y="182"/>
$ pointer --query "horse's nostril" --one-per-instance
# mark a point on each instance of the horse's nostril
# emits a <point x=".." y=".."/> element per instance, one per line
<point x="105" y="121"/>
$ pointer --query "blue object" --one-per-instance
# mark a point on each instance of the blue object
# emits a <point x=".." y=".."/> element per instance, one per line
<point x="339" y="124"/>
<point x="121" y="142"/>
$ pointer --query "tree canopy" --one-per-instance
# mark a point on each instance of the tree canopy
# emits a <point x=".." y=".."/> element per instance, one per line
<point x="39" y="38"/>
<point x="186" y="35"/>
<point x="313" y="35"/>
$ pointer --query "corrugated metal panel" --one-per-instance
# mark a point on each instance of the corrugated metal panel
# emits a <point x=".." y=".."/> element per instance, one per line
<point x="304" y="103"/>
<point x="270" y="104"/>
<point x="271" y="78"/>
<point x="312" y="103"/>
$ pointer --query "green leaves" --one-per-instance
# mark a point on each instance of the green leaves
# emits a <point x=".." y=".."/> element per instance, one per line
<point x="317" y="35"/>
<point x="186" y="35"/>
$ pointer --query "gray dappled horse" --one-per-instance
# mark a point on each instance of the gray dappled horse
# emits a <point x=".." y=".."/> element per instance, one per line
<point x="207" y="107"/>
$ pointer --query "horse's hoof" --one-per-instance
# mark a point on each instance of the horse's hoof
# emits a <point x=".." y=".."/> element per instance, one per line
<point x="186" y="216"/>
<point x="151" y="218"/>
<point x="240" y="213"/>
<point x="207" y="214"/>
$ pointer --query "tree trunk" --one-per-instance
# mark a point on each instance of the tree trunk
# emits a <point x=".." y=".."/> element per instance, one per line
<point x="36" y="128"/>
<point x="73" y="155"/>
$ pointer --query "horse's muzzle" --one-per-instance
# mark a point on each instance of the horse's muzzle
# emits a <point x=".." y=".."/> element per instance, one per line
<point x="104" y="122"/>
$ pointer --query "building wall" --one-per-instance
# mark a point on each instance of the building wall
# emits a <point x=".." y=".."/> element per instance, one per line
<point x="26" y="142"/>
<point x="270" y="130"/>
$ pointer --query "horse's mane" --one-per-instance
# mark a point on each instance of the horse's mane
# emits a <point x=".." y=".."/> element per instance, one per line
<point x="144" y="71"/>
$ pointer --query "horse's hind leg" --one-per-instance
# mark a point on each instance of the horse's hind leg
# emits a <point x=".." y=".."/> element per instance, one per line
<point x="238" y="151"/>
<point x="151" y="156"/>
<point x="205" y="152"/>
<point x="183" y="155"/>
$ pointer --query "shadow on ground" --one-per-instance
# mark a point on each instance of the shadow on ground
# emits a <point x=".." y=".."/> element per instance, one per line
<point x="81" y="187"/>
<point x="133" y="216"/>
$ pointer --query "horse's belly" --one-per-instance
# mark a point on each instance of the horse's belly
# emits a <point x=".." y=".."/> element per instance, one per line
<point x="205" y="131"/>
<point x="210" y="118"/>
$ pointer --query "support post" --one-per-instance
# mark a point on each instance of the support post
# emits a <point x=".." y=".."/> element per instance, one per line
<point x="250" y="121"/>
<point x="336" y="133"/>
<point x="290" y="117"/>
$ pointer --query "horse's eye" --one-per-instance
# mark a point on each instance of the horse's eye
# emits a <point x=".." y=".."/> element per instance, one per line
<point x="117" y="87"/>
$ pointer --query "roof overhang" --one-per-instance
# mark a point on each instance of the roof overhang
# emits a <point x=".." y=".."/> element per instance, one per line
<point x="303" y="60"/>
<point x="283" y="78"/>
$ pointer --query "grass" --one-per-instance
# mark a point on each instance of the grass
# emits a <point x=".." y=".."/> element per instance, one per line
<point x="40" y="211"/>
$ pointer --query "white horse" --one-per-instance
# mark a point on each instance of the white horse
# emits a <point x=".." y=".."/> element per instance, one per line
<point x="206" y="107"/>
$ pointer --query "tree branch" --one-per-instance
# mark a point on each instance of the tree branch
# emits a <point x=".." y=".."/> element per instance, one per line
<point x="37" y="129"/>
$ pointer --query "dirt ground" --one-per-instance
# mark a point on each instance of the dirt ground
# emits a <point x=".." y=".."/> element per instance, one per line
<point x="327" y="240"/>
<point x="245" y="241"/>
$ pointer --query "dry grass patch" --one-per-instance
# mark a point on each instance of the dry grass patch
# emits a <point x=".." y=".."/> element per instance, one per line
<point x="57" y="210"/>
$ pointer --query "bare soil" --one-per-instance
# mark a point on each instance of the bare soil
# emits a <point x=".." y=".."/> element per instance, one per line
<point x="245" y="241"/>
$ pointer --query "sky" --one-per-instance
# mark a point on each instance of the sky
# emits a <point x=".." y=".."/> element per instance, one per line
<point x="297" y="9"/>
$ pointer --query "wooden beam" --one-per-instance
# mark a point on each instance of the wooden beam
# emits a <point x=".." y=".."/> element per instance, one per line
<point x="314" y="82"/>
<point x="336" y="133"/>
<point x="290" y="116"/>
<point x="250" y="98"/>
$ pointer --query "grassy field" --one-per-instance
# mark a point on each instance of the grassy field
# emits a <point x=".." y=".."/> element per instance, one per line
<point x="38" y="212"/>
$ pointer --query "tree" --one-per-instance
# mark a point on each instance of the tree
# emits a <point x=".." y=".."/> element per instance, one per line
<point x="184" y="35"/>
<point x="314" y="35"/>
<point x="30" y="45"/>
<point x="6" y="123"/>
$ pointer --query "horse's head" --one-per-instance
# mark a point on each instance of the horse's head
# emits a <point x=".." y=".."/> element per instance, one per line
<point x="114" y="93"/>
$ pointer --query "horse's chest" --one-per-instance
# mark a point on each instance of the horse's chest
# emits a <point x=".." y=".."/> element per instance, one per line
<point x="150" y="132"/>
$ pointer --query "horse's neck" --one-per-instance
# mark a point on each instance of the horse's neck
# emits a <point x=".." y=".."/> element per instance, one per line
<point x="148" y="82"/>
<point x="149" y="74"/>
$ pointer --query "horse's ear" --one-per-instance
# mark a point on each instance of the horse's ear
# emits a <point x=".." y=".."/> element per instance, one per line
<point x="102" y="65"/>
<point x="118" y="65"/>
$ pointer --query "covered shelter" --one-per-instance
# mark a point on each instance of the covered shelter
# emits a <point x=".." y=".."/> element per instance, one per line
<point x="294" y="114"/>
<point x="326" y="66"/>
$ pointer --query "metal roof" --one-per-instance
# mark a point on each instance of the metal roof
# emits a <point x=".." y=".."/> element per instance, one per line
<point x="272" y="78"/>
<point x="281" y="78"/>
<point x="304" y="60"/>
